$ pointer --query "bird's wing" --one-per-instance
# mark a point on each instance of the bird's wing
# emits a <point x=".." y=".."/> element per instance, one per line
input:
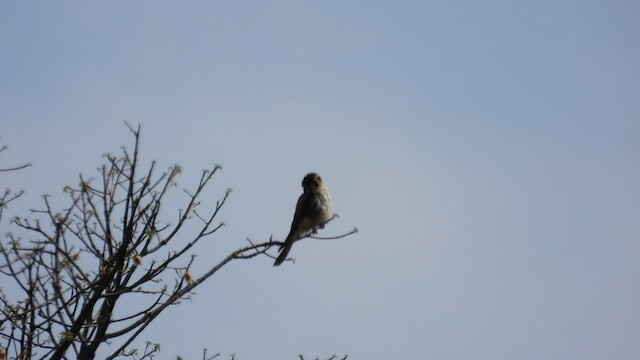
<point x="302" y="209"/>
<point x="298" y="217"/>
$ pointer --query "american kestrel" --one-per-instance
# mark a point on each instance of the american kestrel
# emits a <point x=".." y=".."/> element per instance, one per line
<point x="313" y="210"/>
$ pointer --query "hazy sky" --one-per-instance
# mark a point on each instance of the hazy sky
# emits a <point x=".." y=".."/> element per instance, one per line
<point x="489" y="153"/>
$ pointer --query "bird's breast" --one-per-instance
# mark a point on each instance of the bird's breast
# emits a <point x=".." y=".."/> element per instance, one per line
<point x="323" y="205"/>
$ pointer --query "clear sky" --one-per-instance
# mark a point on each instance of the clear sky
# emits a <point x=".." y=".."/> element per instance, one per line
<point x="488" y="151"/>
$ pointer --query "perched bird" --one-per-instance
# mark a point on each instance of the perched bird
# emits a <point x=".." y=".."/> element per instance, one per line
<point x="313" y="210"/>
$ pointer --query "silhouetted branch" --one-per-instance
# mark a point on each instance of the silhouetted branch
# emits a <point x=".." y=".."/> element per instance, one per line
<point x="14" y="168"/>
<point x="8" y="196"/>
<point x="333" y="357"/>
<point x="204" y="355"/>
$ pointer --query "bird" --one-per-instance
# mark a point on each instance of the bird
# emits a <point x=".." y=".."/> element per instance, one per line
<point x="313" y="210"/>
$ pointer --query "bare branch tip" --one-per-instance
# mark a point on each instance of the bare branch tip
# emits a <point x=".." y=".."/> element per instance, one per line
<point x="136" y="131"/>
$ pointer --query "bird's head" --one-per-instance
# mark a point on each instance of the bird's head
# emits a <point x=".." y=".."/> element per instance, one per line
<point x="311" y="181"/>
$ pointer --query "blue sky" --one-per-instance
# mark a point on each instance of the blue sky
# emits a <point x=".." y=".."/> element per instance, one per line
<point x="487" y="151"/>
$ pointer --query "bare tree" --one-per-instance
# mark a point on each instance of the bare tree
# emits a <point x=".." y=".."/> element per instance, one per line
<point x="109" y="246"/>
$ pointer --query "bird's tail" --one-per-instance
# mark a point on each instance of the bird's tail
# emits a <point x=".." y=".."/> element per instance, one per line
<point x="284" y="251"/>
